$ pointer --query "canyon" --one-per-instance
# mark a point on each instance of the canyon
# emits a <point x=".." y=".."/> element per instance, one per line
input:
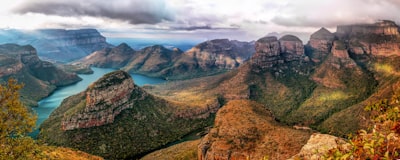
<point x="321" y="86"/>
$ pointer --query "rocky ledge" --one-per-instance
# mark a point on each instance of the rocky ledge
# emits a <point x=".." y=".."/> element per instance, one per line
<point x="105" y="99"/>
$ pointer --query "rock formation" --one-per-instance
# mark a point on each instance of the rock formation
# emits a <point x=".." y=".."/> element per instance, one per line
<point x="318" y="145"/>
<point x="321" y="43"/>
<point x="271" y="51"/>
<point x="105" y="99"/>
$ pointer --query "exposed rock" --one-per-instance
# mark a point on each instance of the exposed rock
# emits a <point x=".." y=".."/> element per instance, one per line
<point x="321" y="43"/>
<point x="383" y="27"/>
<point x="245" y="130"/>
<point x="318" y="145"/>
<point x="292" y="47"/>
<point x="105" y="99"/>
<point x="267" y="53"/>
<point x="379" y="39"/>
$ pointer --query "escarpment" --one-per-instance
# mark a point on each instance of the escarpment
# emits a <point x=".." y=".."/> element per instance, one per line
<point x="105" y="99"/>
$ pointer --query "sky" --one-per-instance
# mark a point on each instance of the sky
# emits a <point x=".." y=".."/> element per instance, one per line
<point x="202" y="19"/>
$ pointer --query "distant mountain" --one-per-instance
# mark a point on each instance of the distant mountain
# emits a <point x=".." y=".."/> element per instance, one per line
<point x="40" y="77"/>
<point x="58" y="44"/>
<point x="207" y="58"/>
<point x="116" y="119"/>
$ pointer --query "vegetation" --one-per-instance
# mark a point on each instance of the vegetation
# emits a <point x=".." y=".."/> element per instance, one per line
<point x="16" y="121"/>
<point x="381" y="141"/>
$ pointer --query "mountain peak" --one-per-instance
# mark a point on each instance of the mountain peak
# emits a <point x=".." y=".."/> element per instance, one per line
<point x="323" y="33"/>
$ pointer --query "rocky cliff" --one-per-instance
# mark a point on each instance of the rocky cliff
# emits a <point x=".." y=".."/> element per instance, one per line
<point x="116" y="119"/>
<point x="58" y="44"/>
<point x="379" y="39"/>
<point x="320" y="43"/>
<point x="40" y="77"/>
<point x="270" y="51"/>
<point x="105" y="99"/>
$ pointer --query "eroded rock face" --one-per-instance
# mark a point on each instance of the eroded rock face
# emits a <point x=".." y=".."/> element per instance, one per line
<point x="105" y="99"/>
<point x="379" y="39"/>
<point x="116" y="57"/>
<point x="267" y="52"/>
<point x="271" y="51"/>
<point x="383" y="27"/>
<point x="318" y="145"/>
<point x="321" y="43"/>
<point x="292" y="47"/>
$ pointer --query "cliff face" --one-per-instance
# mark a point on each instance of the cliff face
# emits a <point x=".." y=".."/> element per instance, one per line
<point x="105" y="99"/>
<point x="271" y="51"/>
<point x="379" y="39"/>
<point x="116" y="119"/>
<point x="40" y="77"/>
<point x="320" y="43"/>
<point x="58" y="44"/>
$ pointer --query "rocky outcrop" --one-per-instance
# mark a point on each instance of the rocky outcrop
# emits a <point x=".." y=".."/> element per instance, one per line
<point x="320" y="43"/>
<point x="59" y="44"/>
<point x="292" y="48"/>
<point x="40" y="77"/>
<point x="271" y="51"/>
<point x="246" y="130"/>
<point x="383" y="27"/>
<point x="318" y="146"/>
<point x="379" y="39"/>
<point x="105" y="99"/>
<point x="116" y="57"/>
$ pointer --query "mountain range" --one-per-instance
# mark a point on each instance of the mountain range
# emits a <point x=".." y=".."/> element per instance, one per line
<point x="207" y="58"/>
<point x="321" y="86"/>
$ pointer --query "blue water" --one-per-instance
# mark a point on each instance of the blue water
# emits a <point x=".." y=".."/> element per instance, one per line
<point x="48" y="104"/>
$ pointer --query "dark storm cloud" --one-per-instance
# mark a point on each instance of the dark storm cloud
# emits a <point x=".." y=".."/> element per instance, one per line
<point x="132" y="11"/>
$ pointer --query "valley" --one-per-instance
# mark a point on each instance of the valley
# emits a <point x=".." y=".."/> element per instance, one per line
<point x="265" y="99"/>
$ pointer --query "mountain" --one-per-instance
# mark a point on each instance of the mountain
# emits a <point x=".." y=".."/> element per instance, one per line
<point x="324" y="88"/>
<point x="116" y="119"/>
<point x="116" y="57"/>
<point x="58" y="44"/>
<point x="40" y="77"/>
<point x="207" y="58"/>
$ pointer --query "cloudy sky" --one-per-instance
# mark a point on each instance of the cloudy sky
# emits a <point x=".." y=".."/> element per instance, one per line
<point x="205" y="19"/>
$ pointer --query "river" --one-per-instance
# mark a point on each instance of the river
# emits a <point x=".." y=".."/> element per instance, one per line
<point x="48" y="104"/>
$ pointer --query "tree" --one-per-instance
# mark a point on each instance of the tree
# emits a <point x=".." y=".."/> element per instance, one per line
<point x="16" y="121"/>
<point x="382" y="141"/>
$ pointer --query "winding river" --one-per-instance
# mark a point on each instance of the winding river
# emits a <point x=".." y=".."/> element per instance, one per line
<point x="48" y="104"/>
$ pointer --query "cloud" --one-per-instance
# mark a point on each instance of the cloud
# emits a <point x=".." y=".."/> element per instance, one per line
<point x="132" y="11"/>
<point x="330" y="13"/>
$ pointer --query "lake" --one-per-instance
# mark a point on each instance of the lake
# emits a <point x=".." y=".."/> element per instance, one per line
<point x="48" y="104"/>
